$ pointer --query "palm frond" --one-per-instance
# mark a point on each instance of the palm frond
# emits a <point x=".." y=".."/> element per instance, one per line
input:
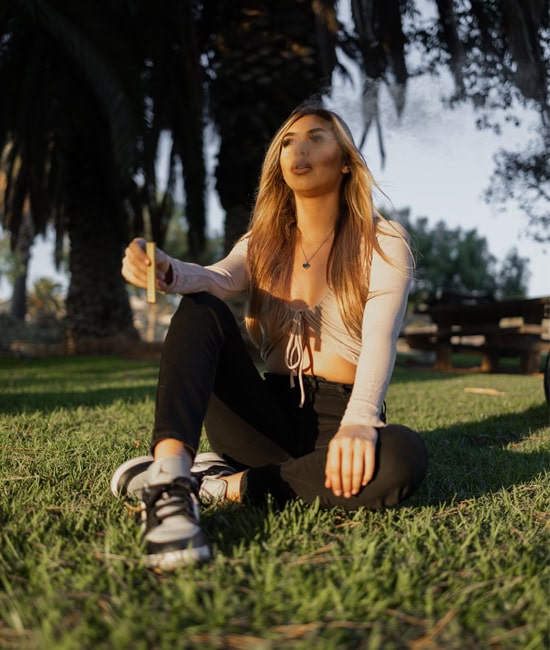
<point x="108" y="89"/>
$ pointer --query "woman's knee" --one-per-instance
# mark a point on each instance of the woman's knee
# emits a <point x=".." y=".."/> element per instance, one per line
<point x="201" y="305"/>
<point x="402" y="454"/>
<point x="401" y="465"/>
<point x="201" y="314"/>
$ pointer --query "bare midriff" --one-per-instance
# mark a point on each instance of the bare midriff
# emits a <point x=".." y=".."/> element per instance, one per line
<point x="323" y="363"/>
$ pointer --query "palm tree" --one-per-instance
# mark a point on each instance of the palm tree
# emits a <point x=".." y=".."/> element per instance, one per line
<point x="264" y="59"/>
<point x="21" y="259"/>
<point x="83" y="109"/>
<point x="69" y="126"/>
<point x="20" y="256"/>
<point x="172" y="83"/>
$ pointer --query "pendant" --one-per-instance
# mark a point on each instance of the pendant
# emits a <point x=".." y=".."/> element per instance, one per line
<point x="306" y="265"/>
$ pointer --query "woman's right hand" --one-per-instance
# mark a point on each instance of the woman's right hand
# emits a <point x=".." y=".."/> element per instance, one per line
<point x="135" y="264"/>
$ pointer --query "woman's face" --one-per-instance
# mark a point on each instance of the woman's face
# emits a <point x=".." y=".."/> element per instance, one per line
<point x="311" y="159"/>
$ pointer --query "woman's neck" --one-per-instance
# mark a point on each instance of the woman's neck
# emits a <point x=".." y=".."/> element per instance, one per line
<point x="316" y="217"/>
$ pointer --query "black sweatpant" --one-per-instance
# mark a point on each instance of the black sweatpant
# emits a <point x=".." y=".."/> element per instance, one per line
<point x="207" y="377"/>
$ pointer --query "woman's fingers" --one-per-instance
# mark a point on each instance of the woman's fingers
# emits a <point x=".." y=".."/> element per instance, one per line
<point x="135" y="264"/>
<point x="350" y="465"/>
<point x="370" y="460"/>
<point x="359" y="459"/>
<point x="332" y="469"/>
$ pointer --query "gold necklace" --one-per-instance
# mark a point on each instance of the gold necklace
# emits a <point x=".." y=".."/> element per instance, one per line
<point x="307" y="262"/>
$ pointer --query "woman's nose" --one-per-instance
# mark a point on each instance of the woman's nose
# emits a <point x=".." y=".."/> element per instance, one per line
<point x="302" y="147"/>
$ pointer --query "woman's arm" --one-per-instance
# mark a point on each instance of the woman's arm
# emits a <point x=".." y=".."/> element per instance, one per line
<point x="224" y="279"/>
<point x="382" y="322"/>
<point x="351" y="454"/>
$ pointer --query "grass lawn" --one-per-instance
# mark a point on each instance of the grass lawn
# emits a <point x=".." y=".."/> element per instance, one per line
<point x="464" y="564"/>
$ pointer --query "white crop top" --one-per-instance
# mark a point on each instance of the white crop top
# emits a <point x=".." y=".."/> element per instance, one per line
<point x="373" y="354"/>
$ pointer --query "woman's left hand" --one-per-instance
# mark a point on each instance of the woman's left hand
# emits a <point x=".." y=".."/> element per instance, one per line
<point x="351" y="459"/>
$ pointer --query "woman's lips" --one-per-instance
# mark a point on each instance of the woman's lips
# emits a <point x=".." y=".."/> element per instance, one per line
<point x="301" y="169"/>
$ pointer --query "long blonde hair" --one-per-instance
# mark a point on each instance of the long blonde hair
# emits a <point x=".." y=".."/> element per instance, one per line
<point x="272" y="233"/>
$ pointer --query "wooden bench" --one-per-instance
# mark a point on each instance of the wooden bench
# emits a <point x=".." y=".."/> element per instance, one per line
<point x="493" y="329"/>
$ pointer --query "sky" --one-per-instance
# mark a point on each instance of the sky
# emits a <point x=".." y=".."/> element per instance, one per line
<point x="437" y="164"/>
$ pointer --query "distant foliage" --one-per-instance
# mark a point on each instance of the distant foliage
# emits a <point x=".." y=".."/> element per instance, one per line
<point x="459" y="260"/>
<point x="523" y="177"/>
<point x="46" y="301"/>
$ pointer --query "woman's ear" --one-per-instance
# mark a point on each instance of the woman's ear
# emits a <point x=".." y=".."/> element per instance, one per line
<point x="346" y="169"/>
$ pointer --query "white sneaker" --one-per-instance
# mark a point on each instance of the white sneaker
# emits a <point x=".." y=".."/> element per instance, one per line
<point x="208" y="470"/>
<point x="170" y="518"/>
<point x="129" y="479"/>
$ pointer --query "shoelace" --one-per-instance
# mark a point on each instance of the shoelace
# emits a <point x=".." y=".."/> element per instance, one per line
<point x="174" y="498"/>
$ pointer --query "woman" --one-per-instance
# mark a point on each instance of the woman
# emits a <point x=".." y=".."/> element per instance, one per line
<point x="327" y="278"/>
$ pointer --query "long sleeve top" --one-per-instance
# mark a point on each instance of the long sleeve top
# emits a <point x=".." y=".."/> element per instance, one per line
<point x="373" y="353"/>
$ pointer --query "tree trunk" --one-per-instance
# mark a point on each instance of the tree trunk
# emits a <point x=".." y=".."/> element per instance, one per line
<point x="99" y="317"/>
<point x="18" y="307"/>
<point x="22" y="255"/>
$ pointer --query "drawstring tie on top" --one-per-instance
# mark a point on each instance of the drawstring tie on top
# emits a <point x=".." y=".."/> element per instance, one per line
<point x="294" y="357"/>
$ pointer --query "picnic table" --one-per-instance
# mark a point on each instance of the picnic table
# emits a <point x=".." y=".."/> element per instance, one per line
<point x="460" y="323"/>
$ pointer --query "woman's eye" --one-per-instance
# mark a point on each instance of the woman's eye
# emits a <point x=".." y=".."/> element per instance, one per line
<point x="314" y="137"/>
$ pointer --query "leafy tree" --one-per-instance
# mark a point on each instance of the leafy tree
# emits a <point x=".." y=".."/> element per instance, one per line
<point x="523" y="177"/>
<point x="459" y="260"/>
<point x="498" y="52"/>
<point x="46" y="300"/>
<point x="167" y="60"/>
<point x="513" y="276"/>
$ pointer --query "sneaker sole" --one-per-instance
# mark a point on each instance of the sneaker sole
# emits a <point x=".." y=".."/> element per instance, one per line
<point x="210" y="464"/>
<point x="170" y="560"/>
<point x="126" y="472"/>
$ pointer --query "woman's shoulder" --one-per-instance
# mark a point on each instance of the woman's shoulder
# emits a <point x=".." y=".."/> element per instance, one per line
<point x="387" y="228"/>
<point x="241" y="245"/>
<point x="394" y="245"/>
